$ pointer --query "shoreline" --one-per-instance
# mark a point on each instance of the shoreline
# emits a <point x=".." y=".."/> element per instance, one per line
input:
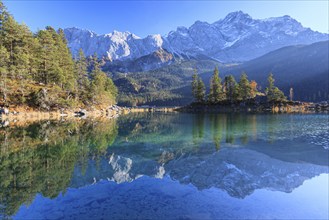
<point x="26" y="115"/>
<point x="289" y="107"/>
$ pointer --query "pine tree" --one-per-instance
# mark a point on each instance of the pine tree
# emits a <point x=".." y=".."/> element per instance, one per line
<point x="16" y="39"/>
<point x="81" y="67"/>
<point x="82" y="76"/>
<point x="201" y="91"/>
<point x="270" y="81"/>
<point x="66" y="63"/>
<point x="244" y="88"/>
<point x="48" y="67"/>
<point x="11" y="41"/>
<point x="216" y="93"/>
<point x="34" y="62"/>
<point x="3" y="18"/>
<point x="274" y="94"/>
<point x="231" y="87"/>
<point x="24" y="60"/>
<point x="102" y="87"/>
<point x="111" y="91"/>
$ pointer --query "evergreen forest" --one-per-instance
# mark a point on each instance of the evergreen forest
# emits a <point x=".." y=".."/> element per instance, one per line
<point x="37" y="70"/>
<point x="231" y="91"/>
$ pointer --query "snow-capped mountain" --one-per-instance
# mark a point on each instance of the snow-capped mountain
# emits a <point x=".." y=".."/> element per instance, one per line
<point x="115" y="46"/>
<point x="154" y="60"/>
<point x="237" y="37"/>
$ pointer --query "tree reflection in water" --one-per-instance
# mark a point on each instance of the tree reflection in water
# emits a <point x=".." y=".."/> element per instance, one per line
<point x="40" y="158"/>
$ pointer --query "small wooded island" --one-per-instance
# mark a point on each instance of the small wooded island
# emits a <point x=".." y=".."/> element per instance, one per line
<point x="242" y="96"/>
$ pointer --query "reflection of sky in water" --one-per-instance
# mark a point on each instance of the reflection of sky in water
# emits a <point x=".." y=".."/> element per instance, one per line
<point x="178" y="165"/>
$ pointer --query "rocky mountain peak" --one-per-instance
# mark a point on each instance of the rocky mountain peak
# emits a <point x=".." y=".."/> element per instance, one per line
<point x="237" y="16"/>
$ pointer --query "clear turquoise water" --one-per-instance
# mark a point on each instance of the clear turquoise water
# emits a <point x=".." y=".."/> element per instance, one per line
<point x="167" y="166"/>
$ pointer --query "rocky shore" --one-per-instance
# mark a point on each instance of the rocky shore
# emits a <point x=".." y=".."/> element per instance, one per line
<point x="28" y="115"/>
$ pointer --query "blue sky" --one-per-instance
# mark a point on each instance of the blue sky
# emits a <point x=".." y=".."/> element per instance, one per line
<point x="152" y="17"/>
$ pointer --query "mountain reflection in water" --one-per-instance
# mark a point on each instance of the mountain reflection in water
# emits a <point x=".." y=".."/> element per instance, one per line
<point x="235" y="153"/>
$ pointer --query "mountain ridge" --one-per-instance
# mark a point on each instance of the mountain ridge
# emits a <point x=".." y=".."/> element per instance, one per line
<point x="227" y="40"/>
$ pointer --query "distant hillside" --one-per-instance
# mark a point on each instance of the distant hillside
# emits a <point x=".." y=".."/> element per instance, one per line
<point x="303" y="67"/>
<point x="168" y="85"/>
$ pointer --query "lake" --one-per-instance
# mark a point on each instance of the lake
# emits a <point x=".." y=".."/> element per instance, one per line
<point x="167" y="166"/>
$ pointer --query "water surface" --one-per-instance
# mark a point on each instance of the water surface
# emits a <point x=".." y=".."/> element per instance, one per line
<point x="157" y="165"/>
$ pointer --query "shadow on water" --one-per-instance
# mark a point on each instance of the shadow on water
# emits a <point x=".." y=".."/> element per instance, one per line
<point x="237" y="153"/>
